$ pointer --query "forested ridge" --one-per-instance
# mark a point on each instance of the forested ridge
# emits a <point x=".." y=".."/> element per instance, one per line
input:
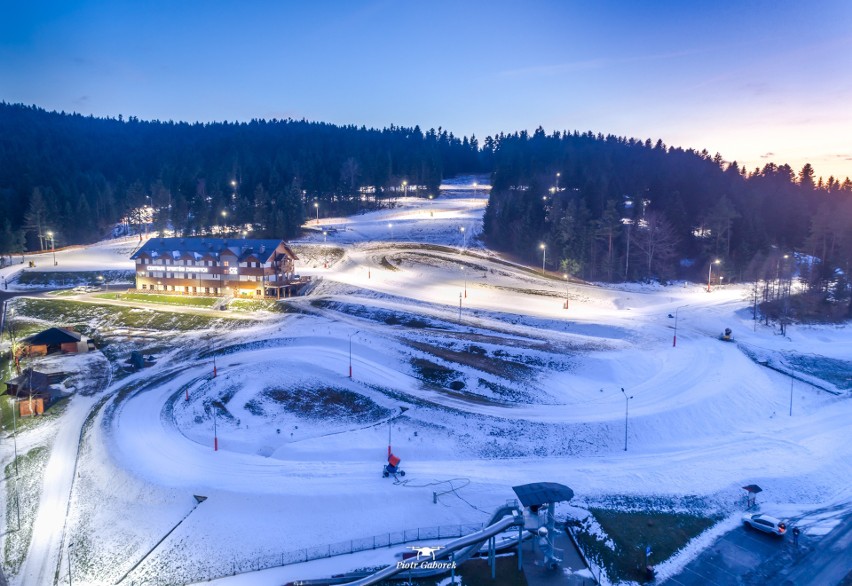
<point x="78" y="176"/>
<point x="596" y="207"/>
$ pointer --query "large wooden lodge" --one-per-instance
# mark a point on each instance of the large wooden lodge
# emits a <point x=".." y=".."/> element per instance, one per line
<point x="215" y="266"/>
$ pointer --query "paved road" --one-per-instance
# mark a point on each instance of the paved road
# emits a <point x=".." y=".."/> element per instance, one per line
<point x="748" y="557"/>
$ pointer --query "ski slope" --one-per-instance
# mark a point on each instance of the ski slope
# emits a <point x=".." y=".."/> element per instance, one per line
<point x="301" y="445"/>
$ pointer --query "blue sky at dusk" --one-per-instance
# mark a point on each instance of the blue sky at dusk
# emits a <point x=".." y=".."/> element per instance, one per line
<point x="755" y="81"/>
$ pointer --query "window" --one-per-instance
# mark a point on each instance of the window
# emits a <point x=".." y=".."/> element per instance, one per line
<point x="144" y="286"/>
<point x="225" y="263"/>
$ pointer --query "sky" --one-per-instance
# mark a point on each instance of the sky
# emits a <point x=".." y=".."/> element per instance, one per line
<point x="757" y="82"/>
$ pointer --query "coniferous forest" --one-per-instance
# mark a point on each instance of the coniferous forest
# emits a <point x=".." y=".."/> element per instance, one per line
<point x="605" y="208"/>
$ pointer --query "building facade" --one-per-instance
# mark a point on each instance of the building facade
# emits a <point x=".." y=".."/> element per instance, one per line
<point x="215" y="266"/>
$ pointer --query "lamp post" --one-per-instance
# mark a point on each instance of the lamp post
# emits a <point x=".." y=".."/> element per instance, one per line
<point x="224" y="221"/>
<point x="464" y="270"/>
<point x="404" y="188"/>
<point x="710" y="272"/>
<point x="464" y="236"/>
<point x="674" y="339"/>
<point x="390" y="229"/>
<point x="791" y="396"/>
<point x="316" y="205"/>
<point x="431" y="213"/>
<point x="52" y="246"/>
<point x="543" y="247"/>
<point x="626" y="403"/>
<point x="15" y="448"/>
<point x="215" y="433"/>
<point x="557" y="181"/>
<point x="70" y="545"/>
<point x="350" y="352"/>
<point x="566" y="290"/>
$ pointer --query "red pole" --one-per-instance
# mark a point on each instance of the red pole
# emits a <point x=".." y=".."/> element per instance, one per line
<point x="350" y="371"/>
<point x="215" y="444"/>
<point x="187" y="393"/>
<point x="214" y="367"/>
<point x="674" y="341"/>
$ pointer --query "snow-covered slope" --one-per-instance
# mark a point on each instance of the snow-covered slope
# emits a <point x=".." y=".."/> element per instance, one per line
<point x="484" y="379"/>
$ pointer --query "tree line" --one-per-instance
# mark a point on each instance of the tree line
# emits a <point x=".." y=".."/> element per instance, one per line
<point x="76" y="177"/>
<point x="609" y="208"/>
<point x="601" y="208"/>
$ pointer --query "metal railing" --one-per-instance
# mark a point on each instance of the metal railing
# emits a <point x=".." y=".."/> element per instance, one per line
<point x="225" y="568"/>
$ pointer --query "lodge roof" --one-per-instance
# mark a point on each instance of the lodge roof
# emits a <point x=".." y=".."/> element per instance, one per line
<point x="198" y="248"/>
<point x="53" y="337"/>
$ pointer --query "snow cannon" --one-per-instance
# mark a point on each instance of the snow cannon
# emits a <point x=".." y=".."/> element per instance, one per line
<point x="392" y="467"/>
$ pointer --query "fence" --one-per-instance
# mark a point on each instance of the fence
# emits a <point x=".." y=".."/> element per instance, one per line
<point x="307" y="554"/>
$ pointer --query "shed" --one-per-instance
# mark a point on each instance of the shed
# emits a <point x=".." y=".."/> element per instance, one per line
<point x="57" y="340"/>
<point x="33" y="392"/>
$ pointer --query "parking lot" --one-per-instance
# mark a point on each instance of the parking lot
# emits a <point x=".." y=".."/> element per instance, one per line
<point x="736" y="558"/>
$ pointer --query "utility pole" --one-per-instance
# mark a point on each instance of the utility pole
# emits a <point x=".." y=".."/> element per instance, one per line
<point x="626" y="402"/>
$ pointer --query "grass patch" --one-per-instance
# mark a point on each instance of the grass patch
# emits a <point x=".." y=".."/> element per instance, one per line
<point x="251" y="305"/>
<point x="631" y="531"/>
<point x="433" y="373"/>
<point x="476" y="357"/>
<point x="836" y="372"/>
<point x="73" y="278"/>
<point x="88" y="317"/>
<point x="387" y="264"/>
<point x="323" y="403"/>
<point x="30" y="473"/>
<point x="164" y="299"/>
<point x="391" y="318"/>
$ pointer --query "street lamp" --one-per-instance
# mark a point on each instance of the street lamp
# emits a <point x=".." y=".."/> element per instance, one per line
<point x="14" y="403"/>
<point x="431" y="213"/>
<point x="52" y="246"/>
<point x="543" y="247"/>
<point x="566" y="290"/>
<point x="215" y="433"/>
<point x="404" y="188"/>
<point x="626" y="403"/>
<point x="325" y="235"/>
<point x="350" y="352"/>
<point x="224" y="221"/>
<point x="464" y="270"/>
<point x="557" y="181"/>
<point x="674" y="339"/>
<point x="710" y="272"/>
<point x="390" y="229"/>
<point x="70" y="545"/>
<point x="464" y="236"/>
<point x="316" y="205"/>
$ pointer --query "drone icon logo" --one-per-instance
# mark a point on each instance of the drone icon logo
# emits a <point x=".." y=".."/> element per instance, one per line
<point x="426" y="551"/>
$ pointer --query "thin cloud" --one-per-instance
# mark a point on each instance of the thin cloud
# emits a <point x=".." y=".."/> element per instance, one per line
<point x="599" y="63"/>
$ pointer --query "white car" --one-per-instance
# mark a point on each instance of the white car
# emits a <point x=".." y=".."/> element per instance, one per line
<point x="765" y="523"/>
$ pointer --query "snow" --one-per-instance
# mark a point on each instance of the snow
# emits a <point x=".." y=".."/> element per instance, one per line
<point x="545" y="403"/>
